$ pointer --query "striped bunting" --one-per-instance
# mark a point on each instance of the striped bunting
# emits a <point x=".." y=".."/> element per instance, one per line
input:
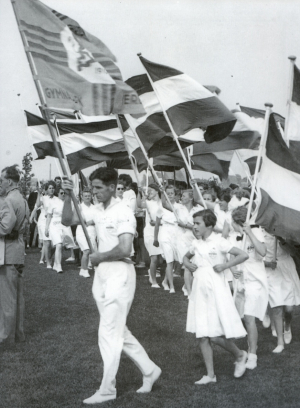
<point x="84" y="144"/>
<point x="279" y="183"/>
<point x="188" y="104"/>
<point x="76" y="70"/>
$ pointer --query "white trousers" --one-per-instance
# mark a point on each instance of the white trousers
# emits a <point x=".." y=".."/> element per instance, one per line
<point x="113" y="290"/>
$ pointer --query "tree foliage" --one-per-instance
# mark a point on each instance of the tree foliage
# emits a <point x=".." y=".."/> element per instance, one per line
<point x="26" y="174"/>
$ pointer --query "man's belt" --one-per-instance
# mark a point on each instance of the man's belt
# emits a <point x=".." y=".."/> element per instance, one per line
<point x="13" y="236"/>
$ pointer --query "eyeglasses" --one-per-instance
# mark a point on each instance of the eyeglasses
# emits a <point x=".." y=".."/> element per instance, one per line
<point x="120" y="188"/>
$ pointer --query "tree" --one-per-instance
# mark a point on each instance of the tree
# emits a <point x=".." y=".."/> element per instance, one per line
<point x="26" y="174"/>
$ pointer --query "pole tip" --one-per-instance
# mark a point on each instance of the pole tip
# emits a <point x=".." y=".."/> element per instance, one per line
<point x="269" y="105"/>
<point x="292" y="58"/>
<point x="18" y="94"/>
<point x="139" y="54"/>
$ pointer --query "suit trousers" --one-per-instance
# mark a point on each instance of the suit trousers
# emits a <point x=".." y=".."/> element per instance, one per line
<point x="113" y="290"/>
<point x="11" y="303"/>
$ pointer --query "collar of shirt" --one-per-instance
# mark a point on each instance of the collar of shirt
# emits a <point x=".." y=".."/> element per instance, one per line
<point x="113" y="201"/>
<point x="12" y="189"/>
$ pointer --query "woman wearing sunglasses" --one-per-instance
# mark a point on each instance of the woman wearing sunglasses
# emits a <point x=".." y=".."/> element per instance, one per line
<point x="56" y="231"/>
<point x="120" y="190"/>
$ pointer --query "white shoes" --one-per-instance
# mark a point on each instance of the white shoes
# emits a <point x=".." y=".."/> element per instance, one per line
<point x="287" y="336"/>
<point x="165" y="285"/>
<point x="97" y="398"/>
<point x="240" y="366"/>
<point x="172" y="290"/>
<point x="84" y="273"/>
<point x="49" y="267"/>
<point x="206" y="380"/>
<point x="57" y="268"/>
<point x="185" y="292"/>
<point x="252" y="361"/>
<point x="278" y="349"/>
<point x="71" y="259"/>
<point x="155" y="285"/>
<point x="42" y="262"/>
<point x="149" y="380"/>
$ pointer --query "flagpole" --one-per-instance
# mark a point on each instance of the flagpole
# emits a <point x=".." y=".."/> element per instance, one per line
<point x="175" y="137"/>
<point x="292" y="59"/>
<point x="243" y="166"/>
<point x="153" y="172"/>
<point x="47" y="116"/>
<point x="262" y="146"/>
<point x="133" y="164"/>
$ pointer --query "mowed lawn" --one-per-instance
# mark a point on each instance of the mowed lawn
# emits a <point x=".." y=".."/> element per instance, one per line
<point x="59" y="365"/>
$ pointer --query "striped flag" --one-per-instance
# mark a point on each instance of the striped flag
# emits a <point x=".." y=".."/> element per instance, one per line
<point x="293" y="120"/>
<point x="217" y="162"/>
<point x="76" y="70"/>
<point x="83" y="144"/>
<point x="188" y="104"/>
<point x="279" y="183"/>
<point x="152" y="128"/>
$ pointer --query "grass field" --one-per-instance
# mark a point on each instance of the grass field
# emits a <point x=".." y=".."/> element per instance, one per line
<point x="59" y="364"/>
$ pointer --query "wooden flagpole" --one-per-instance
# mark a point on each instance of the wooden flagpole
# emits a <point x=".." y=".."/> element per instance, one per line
<point x="175" y="137"/>
<point x="292" y="59"/>
<point x="153" y="172"/>
<point x="47" y="116"/>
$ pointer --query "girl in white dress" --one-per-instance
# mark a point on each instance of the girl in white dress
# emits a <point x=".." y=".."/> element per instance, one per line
<point x="165" y="235"/>
<point x="212" y="315"/>
<point x="252" y="295"/>
<point x="152" y="204"/>
<point x="87" y="210"/>
<point x="56" y="231"/>
<point x="185" y="234"/>
<point x="284" y="289"/>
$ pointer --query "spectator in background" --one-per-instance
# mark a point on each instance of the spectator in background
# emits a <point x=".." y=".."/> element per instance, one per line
<point x="11" y="273"/>
<point x="57" y="181"/>
<point x="120" y="190"/>
<point x="31" y="203"/>
<point x="129" y="196"/>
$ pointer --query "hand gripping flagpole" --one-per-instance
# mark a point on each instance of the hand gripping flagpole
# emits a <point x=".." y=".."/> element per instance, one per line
<point x="262" y="146"/>
<point x="51" y="130"/>
<point x="175" y="137"/>
<point x="153" y="172"/>
<point x="289" y="101"/>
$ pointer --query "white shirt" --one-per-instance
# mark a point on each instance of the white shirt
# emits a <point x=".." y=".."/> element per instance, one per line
<point x="55" y="208"/>
<point x="129" y="198"/>
<point x="222" y="216"/>
<point x="111" y="222"/>
<point x="186" y="216"/>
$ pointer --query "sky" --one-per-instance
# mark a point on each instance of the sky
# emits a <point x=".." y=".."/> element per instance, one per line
<point x="240" y="46"/>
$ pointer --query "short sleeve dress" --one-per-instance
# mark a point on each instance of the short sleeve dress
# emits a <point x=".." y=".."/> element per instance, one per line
<point x="211" y="309"/>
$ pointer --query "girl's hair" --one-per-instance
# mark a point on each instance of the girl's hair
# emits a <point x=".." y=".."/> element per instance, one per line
<point x="239" y="193"/>
<point x="225" y="196"/>
<point x="50" y="183"/>
<point x="212" y="193"/>
<point x="86" y="190"/>
<point x="208" y="217"/>
<point x="239" y="215"/>
<point x="155" y="187"/>
<point x="121" y="182"/>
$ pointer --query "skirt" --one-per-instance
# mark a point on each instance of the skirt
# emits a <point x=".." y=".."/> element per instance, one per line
<point x="81" y="240"/>
<point x="59" y="234"/>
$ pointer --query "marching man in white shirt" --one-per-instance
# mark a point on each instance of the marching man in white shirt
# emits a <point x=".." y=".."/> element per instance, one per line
<point x="114" y="283"/>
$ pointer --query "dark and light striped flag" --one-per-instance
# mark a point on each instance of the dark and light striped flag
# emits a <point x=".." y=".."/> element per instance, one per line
<point x="279" y="183"/>
<point x="293" y="121"/>
<point x="188" y="104"/>
<point x="84" y="144"/>
<point x="76" y="70"/>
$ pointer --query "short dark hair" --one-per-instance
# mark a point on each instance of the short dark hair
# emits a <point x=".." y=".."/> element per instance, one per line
<point x="233" y="186"/>
<point x="107" y="175"/>
<point x="155" y="187"/>
<point x="225" y="196"/>
<point x="86" y="190"/>
<point x="12" y="173"/>
<point x="239" y="215"/>
<point x="57" y="178"/>
<point x="126" y="178"/>
<point x="208" y="217"/>
<point x="50" y="183"/>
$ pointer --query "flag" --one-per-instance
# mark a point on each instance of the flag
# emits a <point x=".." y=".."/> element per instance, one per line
<point x="83" y="144"/>
<point x="152" y="128"/>
<point x="260" y="113"/>
<point x="188" y="104"/>
<point x="279" y="184"/>
<point x="293" y="120"/>
<point x="75" y="69"/>
<point x="217" y="163"/>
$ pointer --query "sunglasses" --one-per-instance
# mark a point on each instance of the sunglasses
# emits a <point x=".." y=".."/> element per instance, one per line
<point x="120" y="188"/>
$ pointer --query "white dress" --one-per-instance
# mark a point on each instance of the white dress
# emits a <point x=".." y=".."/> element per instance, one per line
<point x="152" y="209"/>
<point x="167" y="236"/>
<point x="88" y="214"/>
<point x="185" y="236"/>
<point x="252" y="295"/>
<point x="58" y="233"/>
<point x="211" y="309"/>
<point x="45" y="201"/>
<point x="283" y="281"/>
<point x="223" y="217"/>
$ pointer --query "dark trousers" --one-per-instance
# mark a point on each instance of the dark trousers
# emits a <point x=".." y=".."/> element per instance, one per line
<point x="11" y="303"/>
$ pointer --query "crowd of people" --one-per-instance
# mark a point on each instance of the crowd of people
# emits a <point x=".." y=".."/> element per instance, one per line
<point x="234" y="273"/>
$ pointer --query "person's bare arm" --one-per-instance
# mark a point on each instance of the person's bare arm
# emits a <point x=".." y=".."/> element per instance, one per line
<point x="49" y="217"/>
<point x="188" y="264"/>
<point x="260" y="247"/>
<point x="69" y="217"/>
<point x="239" y="257"/>
<point x="156" y="231"/>
<point x="122" y="250"/>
